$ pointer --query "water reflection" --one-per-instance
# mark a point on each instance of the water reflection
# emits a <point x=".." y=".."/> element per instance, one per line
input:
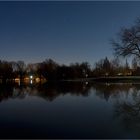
<point x="126" y="105"/>
<point x="107" y="90"/>
<point x="6" y="91"/>
<point x="48" y="91"/>
<point x="51" y="91"/>
<point x="128" y="109"/>
<point x="85" y="109"/>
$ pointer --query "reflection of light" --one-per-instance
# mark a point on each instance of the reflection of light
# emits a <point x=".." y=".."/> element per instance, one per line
<point x="37" y="79"/>
<point x="31" y="76"/>
<point x="19" y="82"/>
<point x="86" y="83"/>
<point x="107" y="84"/>
<point x="31" y="81"/>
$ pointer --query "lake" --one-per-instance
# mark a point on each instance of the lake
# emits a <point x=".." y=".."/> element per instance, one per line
<point x="70" y="110"/>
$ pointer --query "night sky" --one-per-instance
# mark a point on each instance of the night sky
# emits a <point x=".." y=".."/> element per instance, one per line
<point x="64" y="31"/>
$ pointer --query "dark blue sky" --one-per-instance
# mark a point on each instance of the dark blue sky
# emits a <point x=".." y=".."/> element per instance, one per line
<point x="64" y="31"/>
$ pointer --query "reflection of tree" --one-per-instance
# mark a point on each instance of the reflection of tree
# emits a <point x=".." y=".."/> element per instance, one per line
<point x="6" y="92"/>
<point x="19" y="92"/>
<point x="52" y="90"/>
<point x="105" y="90"/>
<point x="128" y="109"/>
<point x="12" y="91"/>
<point x="48" y="91"/>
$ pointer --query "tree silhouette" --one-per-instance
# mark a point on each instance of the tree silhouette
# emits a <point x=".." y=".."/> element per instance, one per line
<point x="134" y="63"/>
<point x="128" y="43"/>
<point x="106" y="66"/>
<point x="47" y="69"/>
<point x="6" y="71"/>
<point x="21" y="69"/>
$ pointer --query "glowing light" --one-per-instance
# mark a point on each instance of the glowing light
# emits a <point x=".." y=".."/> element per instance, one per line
<point x="19" y="82"/>
<point x="86" y="83"/>
<point x="31" y="77"/>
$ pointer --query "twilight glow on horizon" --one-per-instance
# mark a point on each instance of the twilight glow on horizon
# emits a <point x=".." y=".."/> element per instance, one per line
<point x="65" y="31"/>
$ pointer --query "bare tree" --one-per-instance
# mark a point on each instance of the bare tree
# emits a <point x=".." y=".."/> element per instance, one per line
<point x="21" y="69"/>
<point x="134" y="63"/>
<point x="128" y="43"/>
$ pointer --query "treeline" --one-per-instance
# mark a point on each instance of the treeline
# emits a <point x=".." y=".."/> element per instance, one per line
<point x="115" y="67"/>
<point x="11" y="70"/>
<point x="51" y="70"/>
<point x="48" y="70"/>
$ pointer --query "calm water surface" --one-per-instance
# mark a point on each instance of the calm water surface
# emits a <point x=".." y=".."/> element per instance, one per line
<point x="70" y="110"/>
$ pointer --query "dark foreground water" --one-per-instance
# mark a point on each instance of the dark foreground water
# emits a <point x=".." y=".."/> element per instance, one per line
<point x="70" y="110"/>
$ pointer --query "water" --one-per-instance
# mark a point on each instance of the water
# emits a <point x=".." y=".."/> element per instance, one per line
<point x="70" y="110"/>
